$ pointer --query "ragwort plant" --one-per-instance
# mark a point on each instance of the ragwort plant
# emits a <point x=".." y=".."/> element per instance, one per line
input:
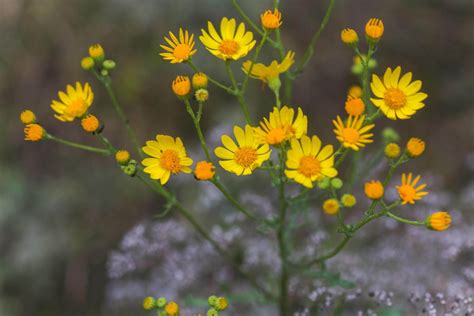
<point x="278" y="145"/>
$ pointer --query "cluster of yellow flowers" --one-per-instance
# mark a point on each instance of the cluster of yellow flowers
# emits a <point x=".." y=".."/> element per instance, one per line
<point x="165" y="308"/>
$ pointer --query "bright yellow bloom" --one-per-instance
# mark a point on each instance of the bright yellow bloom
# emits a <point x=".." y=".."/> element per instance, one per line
<point x="374" y="190"/>
<point x="27" y="117"/>
<point x="245" y="157"/>
<point x="266" y="73"/>
<point x="354" y="106"/>
<point x="348" y="200"/>
<point x="408" y="192"/>
<point x="74" y="104"/>
<point x="307" y="162"/>
<point x="415" y="147"/>
<point x="352" y="134"/>
<point x="392" y="150"/>
<point x="331" y="206"/>
<point x="34" y="132"/>
<point x="230" y="43"/>
<point x="374" y="29"/>
<point x="149" y="303"/>
<point x="122" y="157"/>
<point x="168" y="157"/>
<point x="181" y="86"/>
<point x="280" y="126"/>
<point x="271" y="20"/>
<point x="439" y="221"/>
<point x="172" y="309"/>
<point x="355" y="91"/>
<point x="96" y="51"/>
<point x="349" y="36"/>
<point x="397" y="97"/>
<point x="90" y="123"/>
<point x="204" y="170"/>
<point x="200" y="81"/>
<point x="180" y="50"/>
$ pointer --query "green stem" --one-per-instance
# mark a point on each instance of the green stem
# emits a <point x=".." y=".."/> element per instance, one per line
<point x="339" y="160"/>
<point x="231" y="199"/>
<point x="197" y="126"/>
<point x="366" y="82"/>
<point x="101" y="151"/>
<point x="254" y="60"/>
<point x="240" y="97"/>
<point x="310" y="49"/>
<point x="404" y="220"/>
<point x="213" y="81"/>
<point x="282" y="245"/>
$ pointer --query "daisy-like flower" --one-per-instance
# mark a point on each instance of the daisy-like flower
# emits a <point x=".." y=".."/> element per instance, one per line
<point x="307" y="162"/>
<point x="408" y="192"/>
<point x="74" y="104"/>
<point x="179" y="50"/>
<point x="245" y="156"/>
<point x="271" y="20"/>
<point x="397" y="97"/>
<point x="280" y="126"/>
<point x="230" y="43"/>
<point x="168" y="156"/>
<point x="266" y="73"/>
<point x="352" y="134"/>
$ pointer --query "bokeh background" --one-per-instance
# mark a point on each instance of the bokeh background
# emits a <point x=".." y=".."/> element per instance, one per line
<point x="79" y="238"/>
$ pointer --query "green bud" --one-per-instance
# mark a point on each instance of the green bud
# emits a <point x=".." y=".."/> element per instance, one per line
<point x="336" y="183"/>
<point x="212" y="300"/>
<point x="274" y="84"/>
<point x="201" y="95"/>
<point x="324" y="183"/>
<point x="161" y="313"/>
<point x="130" y="169"/>
<point x="104" y="72"/>
<point x="357" y="69"/>
<point x="161" y="302"/>
<point x="372" y="63"/>
<point x="109" y="64"/>
<point x="212" y="312"/>
<point x="348" y="200"/>
<point x="390" y="135"/>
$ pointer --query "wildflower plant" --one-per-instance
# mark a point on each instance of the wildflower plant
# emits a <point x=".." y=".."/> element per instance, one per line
<point x="278" y="146"/>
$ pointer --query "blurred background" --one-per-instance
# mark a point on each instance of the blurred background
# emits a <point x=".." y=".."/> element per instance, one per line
<point x="77" y="237"/>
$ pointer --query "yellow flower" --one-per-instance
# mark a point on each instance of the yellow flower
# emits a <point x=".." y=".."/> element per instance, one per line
<point x="245" y="157"/>
<point x="222" y="303"/>
<point x="397" y="97"/>
<point x="355" y="91"/>
<point x="27" y="117"/>
<point x="408" y="192"/>
<point x="230" y="43"/>
<point x="354" y="106"/>
<point x="271" y="20"/>
<point x="122" y="157"/>
<point x="90" y="123"/>
<point x="266" y="73"/>
<point x="349" y="36"/>
<point x="307" y="162"/>
<point x="331" y="206"/>
<point x="374" y="190"/>
<point x="439" y="221"/>
<point x="392" y="150"/>
<point x="415" y="147"/>
<point x="181" y="86"/>
<point x="87" y="63"/>
<point x="348" y="200"/>
<point x="374" y="29"/>
<point x="171" y="309"/>
<point x="204" y="170"/>
<point x="34" y="132"/>
<point x="96" y="51"/>
<point x="200" y="81"/>
<point x="168" y="157"/>
<point x="149" y="303"/>
<point x="353" y="134"/>
<point x="180" y="50"/>
<point x="74" y="104"/>
<point x="280" y="126"/>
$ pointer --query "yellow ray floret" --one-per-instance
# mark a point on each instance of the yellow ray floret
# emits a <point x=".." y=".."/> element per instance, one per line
<point x="232" y="42"/>
<point x="307" y="162"/>
<point x="397" y="96"/>
<point x="180" y="49"/>
<point x="245" y="156"/>
<point x="408" y="192"/>
<point x="281" y="126"/>
<point x="266" y="73"/>
<point x="74" y="103"/>
<point x="353" y="134"/>
<point x="168" y="156"/>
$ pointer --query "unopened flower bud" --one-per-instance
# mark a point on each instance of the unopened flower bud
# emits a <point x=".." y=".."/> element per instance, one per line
<point x="109" y="64"/>
<point x="201" y="95"/>
<point x="336" y="183"/>
<point x="87" y="63"/>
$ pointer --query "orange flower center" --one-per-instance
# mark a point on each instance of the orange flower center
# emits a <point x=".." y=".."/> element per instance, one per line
<point x="350" y="135"/>
<point x="276" y="136"/>
<point x="407" y="193"/>
<point x="245" y="156"/>
<point x="77" y="108"/>
<point x="34" y="132"/>
<point x="170" y="161"/>
<point x="395" y="98"/>
<point x="182" y="51"/>
<point x="309" y="166"/>
<point x="229" y="47"/>
<point x="355" y="106"/>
